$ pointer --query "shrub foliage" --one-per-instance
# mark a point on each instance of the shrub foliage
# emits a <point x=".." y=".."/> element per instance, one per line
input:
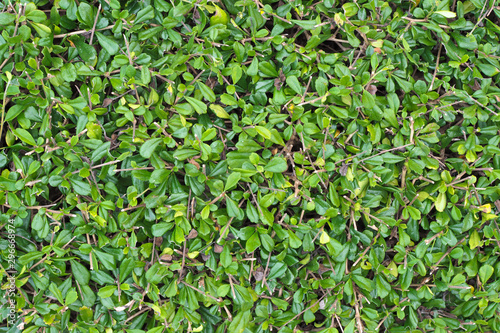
<point x="250" y="166"/>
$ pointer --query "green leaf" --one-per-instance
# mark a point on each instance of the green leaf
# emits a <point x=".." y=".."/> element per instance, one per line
<point x="25" y="136"/>
<point x="277" y="271"/>
<point x="368" y="100"/>
<point x="253" y="69"/>
<point x="7" y="18"/>
<point x="106" y="259"/>
<point x="268" y="69"/>
<point x="219" y="111"/>
<point x="148" y="147"/>
<point x="441" y="202"/>
<point x="277" y="165"/>
<point x="36" y="16"/>
<point x="383" y="287"/>
<point x="240" y="322"/>
<point x="108" y="43"/>
<point x="253" y="243"/>
<point x="29" y="257"/>
<point x="391" y="158"/>
<point x="126" y="267"/>
<point x="207" y="93"/>
<point x="485" y="273"/>
<point x="362" y="282"/>
<point x="41" y="29"/>
<point x="80" y="273"/>
<point x="232" y="207"/>
<point x="179" y="235"/>
<point x="149" y="33"/>
<point x="309" y="316"/>
<point x="106" y="291"/>
<point x="264" y="132"/>
<point x="267" y="242"/>
<point x="85" y="14"/>
<point x="197" y="105"/>
<point x="68" y="72"/>
<point x="446" y="13"/>
<point x="144" y="14"/>
<point x="232" y="180"/>
<point x="71" y="297"/>
<point x="306" y="24"/>
<point x="293" y="83"/>
<point x="225" y="257"/>
<point x="161" y="228"/>
<point x="101" y="151"/>
<point x="488" y="70"/>
<point x="86" y="52"/>
<point x="80" y="187"/>
<point x="467" y="42"/>
<point x="294" y="240"/>
<point x="13" y="112"/>
<point x="56" y="292"/>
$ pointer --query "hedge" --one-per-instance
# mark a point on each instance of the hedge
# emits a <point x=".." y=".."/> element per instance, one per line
<point x="250" y="166"/>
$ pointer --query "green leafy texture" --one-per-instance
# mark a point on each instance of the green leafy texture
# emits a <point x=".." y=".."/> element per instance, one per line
<point x="144" y="14"/>
<point x="441" y="202"/>
<point x="68" y="72"/>
<point x="293" y="83"/>
<point x="86" y="52"/>
<point x="7" y="18"/>
<point x="25" y="136"/>
<point x="239" y="322"/>
<point x="108" y="43"/>
<point x="81" y="274"/>
<point x="241" y="166"/>
<point x="207" y="92"/>
<point x="253" y="243"/>
<point x="148" y="148"/>
<point x="232" y="180"/>
<point x="219" y="111"/>
<point x="197" y="105"/>
<point x="277" y="164"/>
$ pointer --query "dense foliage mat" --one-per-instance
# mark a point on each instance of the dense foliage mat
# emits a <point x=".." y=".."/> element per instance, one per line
<point x="250" y="166"/>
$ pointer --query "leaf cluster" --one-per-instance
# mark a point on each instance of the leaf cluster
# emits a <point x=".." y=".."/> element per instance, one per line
<point x="251" y="166"/>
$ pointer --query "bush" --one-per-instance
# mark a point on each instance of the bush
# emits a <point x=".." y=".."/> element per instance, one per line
<point x="247" y="166"/>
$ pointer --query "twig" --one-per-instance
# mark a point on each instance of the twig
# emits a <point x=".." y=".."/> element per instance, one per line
<point x="480" y="104"/>
<point x="314" y="100"/>
<point x="4" y="105"/>
<point x="22" y="9"/>
<point x="132" y="169"/>
<point x="183" y="261"/>
<point x="3" y="233"/>
<point x="79" y="32"/>
<point x="365" y="251"/>
<point x="46" y="209"/>
<point x="228" y="223"/>
<point x="267" y="266"/>
<point x="299" y="314"/>
<point x="436" y="68"/>
<point x="385" y="151"/>
<point x="338" y="40"/>
<point x="93" y="27"/>
<point x="412" y="20"/>
<point x="481" y="17"/>
<point x="200" y="291"/>
<point x="358" y="314"/>
<point x="446" y="253"/>
<point x="307" y="88"/>
<point x="387" y="315"/>
<point x="18" y="289"/>
<point x="138" y="313"/>
<point x="133" y="207"/>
